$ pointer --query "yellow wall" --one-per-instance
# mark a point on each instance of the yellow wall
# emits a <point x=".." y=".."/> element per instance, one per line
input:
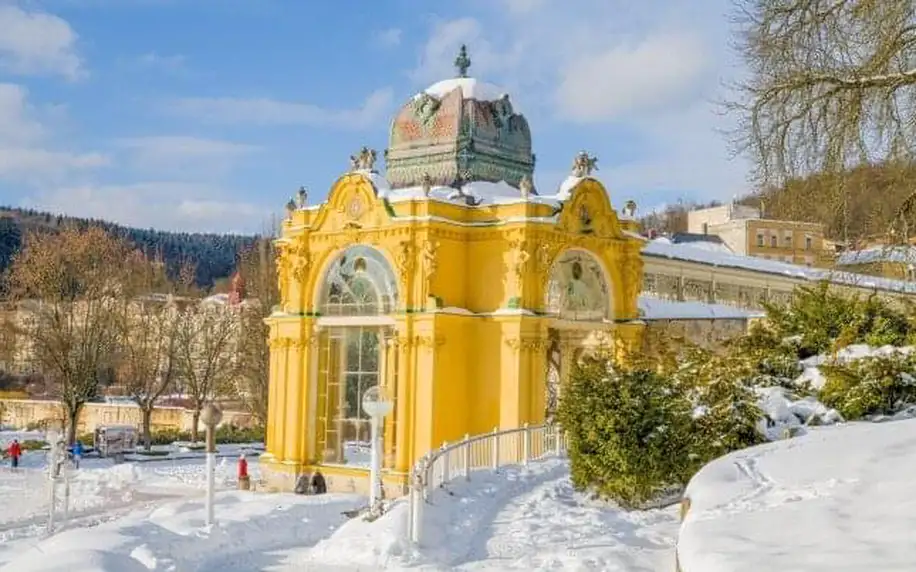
<point x="469" y="332"/>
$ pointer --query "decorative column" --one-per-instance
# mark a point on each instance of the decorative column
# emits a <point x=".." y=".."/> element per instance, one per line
<point x="391" y="381"/>
<point x="517" y="398"/>
<point x="404" y="402"/>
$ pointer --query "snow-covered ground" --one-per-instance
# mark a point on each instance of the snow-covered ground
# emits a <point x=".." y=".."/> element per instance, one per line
<point x="838" y="498"/>
<point x="150" y="516"/>
<point x="519" y="519"/>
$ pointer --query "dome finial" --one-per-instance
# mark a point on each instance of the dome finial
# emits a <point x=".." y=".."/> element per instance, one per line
<point x="463" y="62"/>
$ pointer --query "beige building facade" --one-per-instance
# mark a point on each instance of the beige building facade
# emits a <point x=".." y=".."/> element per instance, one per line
<point x="746" y="232"/>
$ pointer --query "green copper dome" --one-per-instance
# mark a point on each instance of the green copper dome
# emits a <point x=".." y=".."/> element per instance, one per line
<point x="458" y="131"/>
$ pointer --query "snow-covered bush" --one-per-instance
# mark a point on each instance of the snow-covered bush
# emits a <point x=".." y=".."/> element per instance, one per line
<point x="874" y="385"/>
<point x="726" y="415"/>
<point x="630" y="431"/>
<point x="821" y="319"/>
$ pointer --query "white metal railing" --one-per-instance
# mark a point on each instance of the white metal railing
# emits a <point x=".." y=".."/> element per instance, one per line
<point x="488" y="451"/>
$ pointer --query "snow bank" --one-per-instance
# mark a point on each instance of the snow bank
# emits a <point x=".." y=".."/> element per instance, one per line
<point x="786" y="414"/>
<point x="837" y="499"/>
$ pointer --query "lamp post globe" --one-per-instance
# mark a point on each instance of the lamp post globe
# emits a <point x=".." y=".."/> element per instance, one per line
<point x="211" y="415"/>
<point x="376" y="402"/>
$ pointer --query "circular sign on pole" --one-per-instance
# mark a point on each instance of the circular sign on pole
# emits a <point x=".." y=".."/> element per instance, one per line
<point x="377" y="402"/>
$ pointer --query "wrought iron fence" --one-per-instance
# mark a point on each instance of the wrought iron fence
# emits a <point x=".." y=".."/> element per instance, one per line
<point x="488" y="451"/>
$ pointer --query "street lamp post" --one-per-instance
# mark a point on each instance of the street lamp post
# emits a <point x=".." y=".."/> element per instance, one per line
<point x="210" y="415"/>
<point x="376" y="404"/>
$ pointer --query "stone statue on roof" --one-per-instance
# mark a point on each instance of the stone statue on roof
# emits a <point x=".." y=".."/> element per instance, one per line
<point x="584" y="164"/>
<point x="364" y="160"/>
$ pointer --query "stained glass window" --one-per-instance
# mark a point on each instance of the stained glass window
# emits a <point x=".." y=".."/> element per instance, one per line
<point x="577" y="288"/>
<point x="359" y="282"/>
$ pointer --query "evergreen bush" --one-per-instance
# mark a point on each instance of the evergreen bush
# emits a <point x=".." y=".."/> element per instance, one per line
<point x="629" y="431"/>
<point x="879" y="385"/>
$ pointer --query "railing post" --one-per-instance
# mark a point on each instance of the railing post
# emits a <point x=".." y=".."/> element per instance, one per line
<point x="445" y="467"/>
<point x="526" y="443"/>
<point x="467" y="457"/>
<point x="557" y="436"/>
<point x="418" y="490"/>
<point x="424" y="477"/>
<point x="496" y="449"/>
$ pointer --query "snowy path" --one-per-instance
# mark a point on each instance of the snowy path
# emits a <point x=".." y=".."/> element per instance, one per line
<point x="552" y="527"/>
<point x="519" y="519"/>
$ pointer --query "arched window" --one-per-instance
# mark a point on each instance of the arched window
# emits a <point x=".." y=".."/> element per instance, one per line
<point x="359" y="282"/>
<point x="577" y="288"/>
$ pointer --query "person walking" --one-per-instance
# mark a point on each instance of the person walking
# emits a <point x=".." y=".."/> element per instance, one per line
<point x="14" y="451"/>
<point x="77" y="453"/>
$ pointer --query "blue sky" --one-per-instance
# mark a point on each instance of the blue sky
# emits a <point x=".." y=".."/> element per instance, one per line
<point x="208" y="114"/>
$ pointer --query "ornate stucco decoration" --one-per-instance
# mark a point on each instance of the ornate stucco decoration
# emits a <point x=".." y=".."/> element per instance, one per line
<point x="302" y="257"/>
<point x="283" y="272"/>
<point x="430" y="265"/>
<point x="521" y="257"/>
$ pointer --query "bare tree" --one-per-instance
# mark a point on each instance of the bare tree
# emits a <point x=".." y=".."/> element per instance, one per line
<point x="148" y="342"/>
<point x="257" y="272"/>
<point x="71" y="286"/>
<point x="207" y="351"/>
<point x="830" y="86"/>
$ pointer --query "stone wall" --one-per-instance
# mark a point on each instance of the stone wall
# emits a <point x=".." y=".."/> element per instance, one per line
<point x="21" y="413"/>
<point x="709" y="334"/>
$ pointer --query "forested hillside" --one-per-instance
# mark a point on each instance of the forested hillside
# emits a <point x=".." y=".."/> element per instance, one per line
<point x="213" y="255"/>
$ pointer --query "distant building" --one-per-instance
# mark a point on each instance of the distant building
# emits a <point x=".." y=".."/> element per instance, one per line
<point x="744" y="230"/>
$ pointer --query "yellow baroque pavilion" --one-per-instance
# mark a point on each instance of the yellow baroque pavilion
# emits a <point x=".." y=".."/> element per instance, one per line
<point x="450" y="281"/>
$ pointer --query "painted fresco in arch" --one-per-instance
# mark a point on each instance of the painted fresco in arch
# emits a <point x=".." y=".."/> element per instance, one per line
<point x="577" y="289"/>
<point x="359" y="282"/>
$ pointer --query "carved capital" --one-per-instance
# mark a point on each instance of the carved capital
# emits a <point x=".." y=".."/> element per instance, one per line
<point x="527" y="344"/>
<point x="418" y="341"/>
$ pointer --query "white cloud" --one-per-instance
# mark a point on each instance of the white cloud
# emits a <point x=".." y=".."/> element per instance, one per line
<point x="182" y="154"/>
<point x="17" y="122"/>
<point x="693" y="157"/>
<point x="37" y="43"/>
<point x="649" y="68"/>
<point x="163" y="205"/>
<point x="389" y="38"/>
<point x="658" y="72"/>
<point x="265" y="111"/>
<point x="25" y="150"/>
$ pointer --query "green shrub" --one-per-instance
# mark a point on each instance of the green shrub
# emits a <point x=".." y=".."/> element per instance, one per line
<point x="168" y="436"/>
<point x="227" y="434"/>
<point x="720" y="388"/>
<point x="629" y="431"/>
<point x="822" y="319"/>
<point x="32" y="445"/>
<point x="879" y="385"/>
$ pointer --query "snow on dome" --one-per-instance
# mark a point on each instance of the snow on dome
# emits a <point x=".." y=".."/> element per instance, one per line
<point x="470" y="87"/>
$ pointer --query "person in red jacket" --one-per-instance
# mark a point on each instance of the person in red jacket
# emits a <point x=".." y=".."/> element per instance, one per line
<point x="14" y="451"/>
